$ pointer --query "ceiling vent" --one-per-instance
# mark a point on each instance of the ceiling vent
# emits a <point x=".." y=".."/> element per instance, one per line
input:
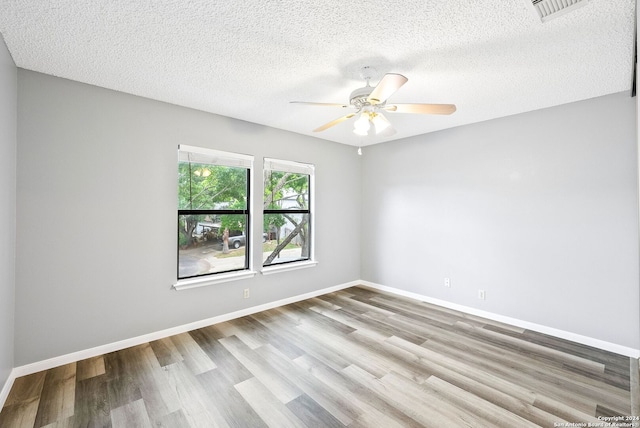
<point x="549" y="9"/>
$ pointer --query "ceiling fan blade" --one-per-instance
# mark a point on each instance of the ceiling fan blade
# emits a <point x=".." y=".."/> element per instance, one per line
<point x="422" y="108"/>
<point x="389" y="84"/>
<point x="388" y="132"/>
<point x="334" y="122"/>
<point x="319" y="104"/>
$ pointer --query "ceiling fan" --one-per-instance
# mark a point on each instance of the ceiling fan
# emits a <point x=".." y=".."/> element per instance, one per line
<point x="369" y="103"/>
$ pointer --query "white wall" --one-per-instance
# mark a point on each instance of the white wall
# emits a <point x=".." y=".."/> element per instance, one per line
<point x="538" y="209"/>
<point x="96" y="253"/>
<point x="8" y="110"/>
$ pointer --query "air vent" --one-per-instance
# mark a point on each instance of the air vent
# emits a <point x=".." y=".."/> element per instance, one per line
<point x="549" y="9"/>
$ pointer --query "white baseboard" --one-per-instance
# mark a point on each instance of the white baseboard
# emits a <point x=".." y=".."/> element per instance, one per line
<point x="4" y="392"/>
<point x="585" y="340"/>
<point x="116" y="346"/>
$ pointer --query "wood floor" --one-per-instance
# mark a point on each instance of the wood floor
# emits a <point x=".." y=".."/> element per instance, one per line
<point x="356" y="358"/>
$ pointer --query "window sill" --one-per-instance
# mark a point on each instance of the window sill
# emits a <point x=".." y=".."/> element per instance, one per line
<point x="185" y="284"/>
<point x="288" y="266"/>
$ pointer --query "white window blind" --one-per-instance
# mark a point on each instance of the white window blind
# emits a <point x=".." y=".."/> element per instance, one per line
<point x="288" y="166"/>
<point x="204" y="156"/>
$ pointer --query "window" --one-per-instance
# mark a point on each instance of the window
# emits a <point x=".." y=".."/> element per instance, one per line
<point x="213" y="212"/>
<point x="287" y="212"/>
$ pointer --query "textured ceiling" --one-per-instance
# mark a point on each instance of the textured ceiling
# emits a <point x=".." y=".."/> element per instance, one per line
<point x="248" y="59"/>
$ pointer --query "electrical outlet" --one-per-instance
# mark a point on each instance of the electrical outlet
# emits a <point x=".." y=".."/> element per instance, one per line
<point x="447" y="282"/>
<point x="246" y="293"/>
<point x="481" y="295"/>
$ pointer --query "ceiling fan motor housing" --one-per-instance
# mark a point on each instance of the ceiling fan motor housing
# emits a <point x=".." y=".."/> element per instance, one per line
<point x="358" y="98"/>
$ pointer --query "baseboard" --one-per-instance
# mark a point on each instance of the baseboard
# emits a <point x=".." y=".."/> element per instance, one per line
<point x="116" y="346"/>
<point x="4" y="392"/>
<point x="585" y="340"/>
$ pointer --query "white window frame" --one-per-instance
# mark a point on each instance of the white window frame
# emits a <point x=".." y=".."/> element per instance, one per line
<point x="222" y="158"/>
<point x="296" y="168"/>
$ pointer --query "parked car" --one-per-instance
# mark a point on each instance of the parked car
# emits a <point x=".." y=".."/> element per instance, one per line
<point x="237" y="239"/>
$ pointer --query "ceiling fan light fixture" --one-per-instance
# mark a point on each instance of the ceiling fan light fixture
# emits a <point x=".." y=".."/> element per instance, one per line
<point x="360" y="132"/>
<point x="379" y="122"/>
<point x="361" y="125"/>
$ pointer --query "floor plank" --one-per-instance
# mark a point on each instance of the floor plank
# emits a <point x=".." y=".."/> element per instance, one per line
<point x="21" y="415"/>
<point x="312" y="414"/>
<point x="90" y="367"/>
<point x="195" y="405"/>
<point x="270" y="409"/>
<point x="133" y="414"/>
<point x="26" y="389"/>
<point x="227" y="401"/>
<point x="194" y="357"/>
<point x="57" y="400"/>
<point x="92" y="406"/>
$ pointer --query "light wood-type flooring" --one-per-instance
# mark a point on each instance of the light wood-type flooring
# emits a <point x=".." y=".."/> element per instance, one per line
<point x="356" y="358"/>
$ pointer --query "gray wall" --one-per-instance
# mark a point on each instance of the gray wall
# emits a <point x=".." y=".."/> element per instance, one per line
<point x="96" y="254"/>
<point x="539" y="209"/>
<point x="8" y="110"/>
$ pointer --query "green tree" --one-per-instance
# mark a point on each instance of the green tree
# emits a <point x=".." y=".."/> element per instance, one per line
<point x="285" y="190"/>
<point x="209" y="187"/>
